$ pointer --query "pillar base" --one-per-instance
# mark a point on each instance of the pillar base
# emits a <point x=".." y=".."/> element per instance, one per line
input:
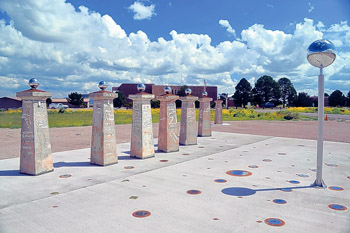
<point x="144" y="157"/>
<point x="37" y="174"/>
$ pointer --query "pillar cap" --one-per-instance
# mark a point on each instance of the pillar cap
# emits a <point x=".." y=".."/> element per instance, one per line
<point x="141" y="96"/>
<point x="167" y="97"/>
<point x="205" y="99"/>
<point x="189" y="98"/>
<point x="103" y="95"/>
<point x="34" y="94"/>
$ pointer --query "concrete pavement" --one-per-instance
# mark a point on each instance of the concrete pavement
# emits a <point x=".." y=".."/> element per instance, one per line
<point x="249" y="170"/>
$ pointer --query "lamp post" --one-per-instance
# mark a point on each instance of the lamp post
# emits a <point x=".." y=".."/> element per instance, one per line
<point x="321" y="53"/>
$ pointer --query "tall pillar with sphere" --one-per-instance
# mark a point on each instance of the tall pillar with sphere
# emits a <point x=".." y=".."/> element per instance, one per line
<point x="218" y="112"/>
<point x="168" y="134"/>
<point x="188" y="124"/>
<point x="35" y="155"/>
<point x="204" y="122"/>
<point x="142" y="146"/>
<point x="103" y="138"/>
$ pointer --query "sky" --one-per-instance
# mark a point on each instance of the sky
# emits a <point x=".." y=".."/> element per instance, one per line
<point x="71" y="45"/>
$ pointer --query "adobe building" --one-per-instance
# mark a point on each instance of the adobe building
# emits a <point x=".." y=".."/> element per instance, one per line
<point x="157" y="90"/>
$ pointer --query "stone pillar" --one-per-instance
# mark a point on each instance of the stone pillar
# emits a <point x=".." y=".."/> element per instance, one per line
<point x="168" y="136"/>
<point x="218" y="112"/>
<point x="204" y="123"/>
<point x="36" y="155"/>
<point x="103" y="138"/>
<point x="188" y="125"/>
<point x="142" y="146"/>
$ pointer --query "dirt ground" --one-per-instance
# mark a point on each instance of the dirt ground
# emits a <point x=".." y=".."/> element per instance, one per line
<point x="63" y="139"/>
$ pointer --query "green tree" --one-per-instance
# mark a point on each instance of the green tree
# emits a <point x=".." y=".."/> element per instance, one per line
<point x="266" y="90"/>
<point x="337" y="98"/>
<point x="120" y="100"/>
<point x="75" y="99"/>
<point x="181" y="91"/>
<point x="48" y="101"/>
<point x="243" y="93"/>
<point x="303" y="100"/>
<point x="288" y="92"/>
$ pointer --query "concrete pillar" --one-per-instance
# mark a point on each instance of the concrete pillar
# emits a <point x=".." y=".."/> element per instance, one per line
<point x="188" y="125"/>
<point x="103" y="138"/>
<point x="204" y="123"/>
<point x="35" y="155"/>
<point x="168" y="136"/>
<point x="142" y="146"/>
<point x="218" y="112"/>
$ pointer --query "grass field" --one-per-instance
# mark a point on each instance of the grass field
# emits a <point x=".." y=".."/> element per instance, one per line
<point x="83" y="117"/>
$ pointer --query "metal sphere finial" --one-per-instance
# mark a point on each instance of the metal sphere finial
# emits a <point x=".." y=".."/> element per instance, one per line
<point x="204" y="93"/>
<point x="33" y="83"/>
<point x="321" y="53"/>
<point x="188" y="91"/>
<point x="141" y="87"/>
<point x="167" y="90"/>
<point x="102" y="85"/>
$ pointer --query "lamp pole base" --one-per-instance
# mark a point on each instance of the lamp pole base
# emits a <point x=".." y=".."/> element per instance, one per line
<point x="319" y="184"/>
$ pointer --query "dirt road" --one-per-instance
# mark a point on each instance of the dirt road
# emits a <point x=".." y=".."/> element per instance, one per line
<point x="63" y="139"/>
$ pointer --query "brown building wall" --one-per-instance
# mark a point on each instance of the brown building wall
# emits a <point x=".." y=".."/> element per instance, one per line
<point x="10" y="102"/>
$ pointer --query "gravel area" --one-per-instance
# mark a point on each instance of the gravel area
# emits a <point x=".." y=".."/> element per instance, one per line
<point x="72" y="138"/>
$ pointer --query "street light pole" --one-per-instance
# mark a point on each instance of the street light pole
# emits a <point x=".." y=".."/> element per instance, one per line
<point x="321" y="53"/>
<point x="319" y="182"/>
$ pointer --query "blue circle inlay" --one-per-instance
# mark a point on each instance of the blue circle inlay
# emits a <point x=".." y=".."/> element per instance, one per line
<point x="220" y="181"/>
<point x="337" y="207"/>
<point x="274" y="221"/>
<point x="302" y="175"/>
<point x="279" y="201"/>
<point x="238" y="173"/>
<point x="335" y="188"/>
<point x="286" y="190"/>
<point x="294" y="182"/>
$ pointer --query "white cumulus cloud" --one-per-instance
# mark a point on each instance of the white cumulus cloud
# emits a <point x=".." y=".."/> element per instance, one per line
<point x="68" y="57"/>
<point x="224" y="23"/>
<point x="141" y="11"/>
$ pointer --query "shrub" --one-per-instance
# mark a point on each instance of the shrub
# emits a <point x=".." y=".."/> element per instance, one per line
<point x="290" y="115"/>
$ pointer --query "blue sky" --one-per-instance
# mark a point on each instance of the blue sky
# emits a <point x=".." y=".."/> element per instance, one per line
<point x="72" y="45"/>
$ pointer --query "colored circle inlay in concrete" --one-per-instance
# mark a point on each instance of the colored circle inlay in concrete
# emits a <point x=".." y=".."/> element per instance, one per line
<point x="65" y="176"/>
<point x="141" y="214"/>
<point x="286" y="190"/>
<point x="337" y="207"/>
<point x="238" y="173"/>
<point x="129" y="167"/>
<point x="302" y="175"/>
<point x="274" y="222"/>
<point x="331" y="165"/>
<point x="163" y="160"/>
<point x="335" y="188"/>
<point x="220" y="181"/>
<point x="279" y="201"/>
<point x="253" y="166"/>
<point x="267" y="160"/>
<point x="294" y="182"/>
<point x="194" y="192"/>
